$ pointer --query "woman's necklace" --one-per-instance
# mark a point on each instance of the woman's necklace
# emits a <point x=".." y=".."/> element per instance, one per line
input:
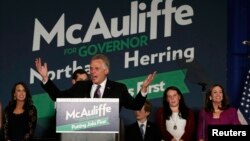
<point x="175" y="121"/>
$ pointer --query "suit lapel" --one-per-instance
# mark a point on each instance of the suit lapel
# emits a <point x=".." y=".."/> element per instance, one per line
<point x="147" y="130"/>
<point x="138" y="132"/>
<point x="107" y="90"/>
<point x="89" y="86"/>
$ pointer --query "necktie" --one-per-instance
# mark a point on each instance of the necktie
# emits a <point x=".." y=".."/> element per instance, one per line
<point x="97" y="93"/>
<point x="142" y="130"/>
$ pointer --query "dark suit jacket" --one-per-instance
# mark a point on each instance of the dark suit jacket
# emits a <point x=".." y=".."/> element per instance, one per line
<point x="82" y="90"/>
<point x="132" y="132"/>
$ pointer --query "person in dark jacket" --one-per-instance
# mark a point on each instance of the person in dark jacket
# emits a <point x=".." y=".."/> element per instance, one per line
<point x="143" y="129"/>
<point x="99" y="70"/>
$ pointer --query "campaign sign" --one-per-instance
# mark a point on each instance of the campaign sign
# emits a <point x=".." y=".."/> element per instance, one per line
<point x="87" y="115"/>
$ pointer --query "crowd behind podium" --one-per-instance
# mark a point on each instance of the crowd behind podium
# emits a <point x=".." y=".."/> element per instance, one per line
<point x="175" y="121"/>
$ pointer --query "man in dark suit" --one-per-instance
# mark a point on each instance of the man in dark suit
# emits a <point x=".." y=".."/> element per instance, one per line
<point x="99" y="70"/>
<point x="143" y="129"/>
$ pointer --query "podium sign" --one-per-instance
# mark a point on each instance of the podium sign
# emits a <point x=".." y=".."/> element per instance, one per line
<point x="87" y="115"/>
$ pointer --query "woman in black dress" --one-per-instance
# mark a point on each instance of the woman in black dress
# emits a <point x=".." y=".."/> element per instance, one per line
<point x="20" y="115"/>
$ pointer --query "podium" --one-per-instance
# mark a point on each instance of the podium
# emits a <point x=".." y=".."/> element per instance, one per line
<point x="90" y="118"/>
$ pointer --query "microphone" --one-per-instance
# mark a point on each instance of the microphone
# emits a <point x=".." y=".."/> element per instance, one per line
<point x="246" y="43"/>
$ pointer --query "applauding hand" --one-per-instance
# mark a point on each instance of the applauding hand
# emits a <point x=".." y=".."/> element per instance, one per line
<point x="147" y="81"/>
<point x="42" y="69"/>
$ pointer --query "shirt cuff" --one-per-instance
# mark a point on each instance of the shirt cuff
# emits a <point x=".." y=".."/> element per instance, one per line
<point x="44" y="82"/>
<point x="144" y="94"/>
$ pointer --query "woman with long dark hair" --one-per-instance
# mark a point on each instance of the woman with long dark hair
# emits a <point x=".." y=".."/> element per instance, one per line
<point x="175" y="120"/>
<point x="20" y="115"/>
<point x="217" y="111"/>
